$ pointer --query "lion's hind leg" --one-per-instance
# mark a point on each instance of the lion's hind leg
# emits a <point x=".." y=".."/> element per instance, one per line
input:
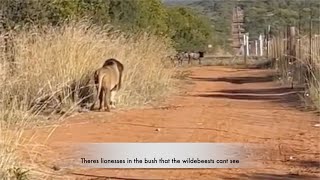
<point x="107" y="96"/>
<point x="102" y="100"/>
<point x="112" y="99"/>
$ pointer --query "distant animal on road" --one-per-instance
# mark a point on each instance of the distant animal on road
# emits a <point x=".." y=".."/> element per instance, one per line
<point x="196" y="56"/>
<point x="179" y="57"/>
<point x="172" y="58"/>
<point x="182" y="56"/>
<point x="108" y="81"/>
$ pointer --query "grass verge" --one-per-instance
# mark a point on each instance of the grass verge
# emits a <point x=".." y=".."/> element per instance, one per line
<point x="50" y="68"/>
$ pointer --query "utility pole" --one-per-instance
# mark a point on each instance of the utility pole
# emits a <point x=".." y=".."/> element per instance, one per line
<point x="237" y="28"/>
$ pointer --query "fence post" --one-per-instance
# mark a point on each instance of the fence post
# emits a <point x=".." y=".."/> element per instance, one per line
<point x="244" y="48"/>
<point x="256" y="46"/>
<point x="261" y="44"/>
<point x="291" y="52"/>
<point x="247" y="44"/>
<point x="292" y="37"/>
<point x="309" y="70"/>
<point x="268" y="38"/>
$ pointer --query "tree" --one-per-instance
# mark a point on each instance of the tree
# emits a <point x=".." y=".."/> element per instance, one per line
<point x="188" y="30"/>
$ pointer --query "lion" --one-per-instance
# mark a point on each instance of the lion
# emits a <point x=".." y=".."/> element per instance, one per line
<point x="108" y="78"/>
<point x="120" y="68"/>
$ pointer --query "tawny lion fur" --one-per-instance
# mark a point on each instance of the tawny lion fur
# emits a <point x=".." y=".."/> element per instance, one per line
<point x="108" y="78"/>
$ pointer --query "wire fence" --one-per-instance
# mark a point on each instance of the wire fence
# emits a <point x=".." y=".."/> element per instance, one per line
<point x="297" y="59"/>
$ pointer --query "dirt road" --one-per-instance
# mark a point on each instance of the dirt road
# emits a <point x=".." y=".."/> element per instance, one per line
<point x="220" y="105"/>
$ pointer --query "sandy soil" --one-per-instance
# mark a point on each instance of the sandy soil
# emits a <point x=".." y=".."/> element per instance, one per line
<point x="219" y="105"/>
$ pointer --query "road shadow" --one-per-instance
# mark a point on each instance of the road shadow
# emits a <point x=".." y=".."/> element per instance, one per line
<point x="307" y="164"/>
<point x="240" y="97"/>
<point x="262" y="91"/>
<point x="312" y="165"/>
<point x="238" y="80"/>
<point x="264" y="176"/>
<point x="290" y="97"/>
<point x="266" y="64"/>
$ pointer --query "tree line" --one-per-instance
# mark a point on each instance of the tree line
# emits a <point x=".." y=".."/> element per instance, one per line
<point x="258" y="15"/>
<point x="281" y="13"/>
<point x="187" y="29"/>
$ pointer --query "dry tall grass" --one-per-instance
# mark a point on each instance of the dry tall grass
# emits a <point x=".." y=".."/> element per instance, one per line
<point x="303" y="72"/>
<point x="51" y="62"/>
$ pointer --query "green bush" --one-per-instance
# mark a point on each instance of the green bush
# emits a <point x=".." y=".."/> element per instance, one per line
<point x="184" y="26"/>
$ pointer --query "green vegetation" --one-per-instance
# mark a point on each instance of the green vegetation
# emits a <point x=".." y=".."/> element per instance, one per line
<point x="220" y="13"/>
<point x="188" y="29"/>
<point x="279" y="14"/>
<point x="258" y="15"/>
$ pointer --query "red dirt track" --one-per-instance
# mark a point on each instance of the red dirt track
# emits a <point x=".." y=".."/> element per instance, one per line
<point x="220" y="105"/>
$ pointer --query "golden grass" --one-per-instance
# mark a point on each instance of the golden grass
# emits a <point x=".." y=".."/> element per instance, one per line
<point x="297" y="73"/>
<point x="49" y="61"/>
